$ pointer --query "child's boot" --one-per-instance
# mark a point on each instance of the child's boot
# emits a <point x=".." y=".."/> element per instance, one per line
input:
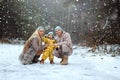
<point x="52" y="62"/>
<point x="42" y="61"/>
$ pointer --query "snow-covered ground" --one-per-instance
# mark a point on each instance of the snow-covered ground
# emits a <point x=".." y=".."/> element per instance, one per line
<point x="82" y="66"/>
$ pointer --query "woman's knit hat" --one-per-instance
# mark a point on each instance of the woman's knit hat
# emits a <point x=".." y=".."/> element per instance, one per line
<point x="40" y="28"/>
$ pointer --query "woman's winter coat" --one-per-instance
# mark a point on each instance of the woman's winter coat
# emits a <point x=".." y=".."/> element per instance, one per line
<point x="31" y="48"/>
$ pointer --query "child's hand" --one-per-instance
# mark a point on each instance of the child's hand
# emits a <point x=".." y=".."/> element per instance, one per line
<point x="55" y="44"/>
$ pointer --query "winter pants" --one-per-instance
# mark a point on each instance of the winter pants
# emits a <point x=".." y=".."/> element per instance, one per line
<point x="26" y="58"/>
<point x="48" y="53"/>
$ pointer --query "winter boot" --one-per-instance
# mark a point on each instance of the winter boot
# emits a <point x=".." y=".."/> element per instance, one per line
<point x="42" y="61"/>
<point x="52" y="62"/>
<point x="35" y="59"/>
<point x="61" y="60"/>
<point x="65" y="60"/>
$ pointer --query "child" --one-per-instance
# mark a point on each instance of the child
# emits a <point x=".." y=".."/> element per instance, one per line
<point x="49" y="41"/>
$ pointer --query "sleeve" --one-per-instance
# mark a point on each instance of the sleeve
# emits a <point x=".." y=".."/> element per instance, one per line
<point x="67" y="40"/>
<point x="45" y="39"/>
<point x="54" y="43"/>
<point x="35" y="45"/>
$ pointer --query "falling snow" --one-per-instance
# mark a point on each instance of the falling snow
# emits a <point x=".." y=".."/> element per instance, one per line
<point x="24" y="16"/>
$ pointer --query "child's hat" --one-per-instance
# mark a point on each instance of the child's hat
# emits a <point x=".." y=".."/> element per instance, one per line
<point x="50" y="33"/>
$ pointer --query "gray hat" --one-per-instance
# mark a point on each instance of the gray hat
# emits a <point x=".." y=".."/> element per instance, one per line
<point x="40" y="28"/>
<point x="58" y="28"/>
<point x="50" y="33"/>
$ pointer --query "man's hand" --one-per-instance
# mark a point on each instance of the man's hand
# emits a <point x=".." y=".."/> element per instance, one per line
<point x="57" y="47"/>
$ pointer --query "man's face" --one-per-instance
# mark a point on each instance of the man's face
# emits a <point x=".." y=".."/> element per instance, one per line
<point x="41" y="32"/>
<point x="58" y="32"/>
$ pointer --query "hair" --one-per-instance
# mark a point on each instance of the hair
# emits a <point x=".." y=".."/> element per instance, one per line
<point x="40" y="28"/>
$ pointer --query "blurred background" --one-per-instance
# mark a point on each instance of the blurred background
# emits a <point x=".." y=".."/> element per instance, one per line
<point x="89" y="22"/>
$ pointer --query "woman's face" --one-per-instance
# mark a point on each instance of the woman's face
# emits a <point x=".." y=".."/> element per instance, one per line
<point x="58" y="32"/>
<point x="41" y="32"/>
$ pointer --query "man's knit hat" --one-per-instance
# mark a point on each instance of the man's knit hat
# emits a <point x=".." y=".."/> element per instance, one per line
<point x="58" y="28"/>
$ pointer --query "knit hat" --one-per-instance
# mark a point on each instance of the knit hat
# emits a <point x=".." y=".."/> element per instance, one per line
<point x="50" y="33"/>
<point x="58" y="28"/>
<point x="40" y="28"/>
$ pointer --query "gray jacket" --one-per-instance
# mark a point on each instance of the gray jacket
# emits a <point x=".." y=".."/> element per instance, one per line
<point x="27" y="57"/>
<point x="65" y="41"/>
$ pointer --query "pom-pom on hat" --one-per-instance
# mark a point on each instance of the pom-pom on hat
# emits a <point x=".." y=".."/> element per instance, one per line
<point x="58" y="28"/>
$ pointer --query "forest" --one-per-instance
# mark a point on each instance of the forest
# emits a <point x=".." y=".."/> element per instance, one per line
<point x="90" y="22"/>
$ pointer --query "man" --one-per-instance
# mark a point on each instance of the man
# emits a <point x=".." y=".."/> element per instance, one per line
<point x="65" y="45"/>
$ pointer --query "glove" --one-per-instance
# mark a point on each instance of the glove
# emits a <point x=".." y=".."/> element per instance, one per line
<point x="57" y="48"/>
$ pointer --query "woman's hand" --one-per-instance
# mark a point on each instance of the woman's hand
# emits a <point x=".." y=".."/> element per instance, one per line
<point x="40" y="52"/>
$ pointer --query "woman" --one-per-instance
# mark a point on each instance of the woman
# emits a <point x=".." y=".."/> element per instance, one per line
<point x="33" y="47"/>
<point x="65" y="45"/>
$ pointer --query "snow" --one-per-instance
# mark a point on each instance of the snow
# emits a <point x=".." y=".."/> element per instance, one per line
<point x="83" y="65"/>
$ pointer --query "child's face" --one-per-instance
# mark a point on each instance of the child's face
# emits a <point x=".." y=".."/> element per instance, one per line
<point x="50" y="36"/>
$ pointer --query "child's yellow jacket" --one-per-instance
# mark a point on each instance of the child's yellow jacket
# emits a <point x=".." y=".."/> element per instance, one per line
<point x="50" y="43"/>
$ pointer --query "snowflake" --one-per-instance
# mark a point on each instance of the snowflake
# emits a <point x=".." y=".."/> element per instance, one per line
<point x="105" y="4"/>
<point x="30" y="17"/>
<point x="88" y="12"/>
<point x="6" y="22"/>
<point x="84" y="4"/>
<point x="77" y="0"/>
<point x="97" y="0"/>
<point x="99" y="16"/>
